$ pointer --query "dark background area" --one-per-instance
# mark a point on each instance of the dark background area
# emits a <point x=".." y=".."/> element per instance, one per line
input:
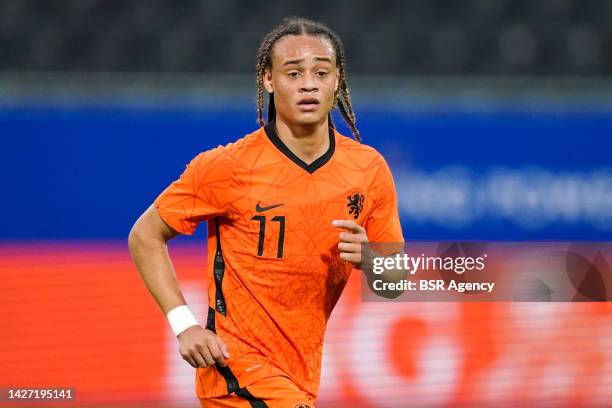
<point x="422" y="37"/>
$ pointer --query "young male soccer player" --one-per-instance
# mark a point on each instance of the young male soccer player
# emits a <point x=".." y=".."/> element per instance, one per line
<point x="287" y="208"/>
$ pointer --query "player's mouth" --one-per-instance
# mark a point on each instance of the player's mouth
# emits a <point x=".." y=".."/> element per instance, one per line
<point x="308" y="104"/>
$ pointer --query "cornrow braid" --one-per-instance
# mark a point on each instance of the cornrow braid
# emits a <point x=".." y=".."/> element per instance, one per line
<point x="302" y="26"/>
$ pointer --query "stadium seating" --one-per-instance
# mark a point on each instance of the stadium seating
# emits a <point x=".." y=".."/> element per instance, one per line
<point x="475" y="37"/>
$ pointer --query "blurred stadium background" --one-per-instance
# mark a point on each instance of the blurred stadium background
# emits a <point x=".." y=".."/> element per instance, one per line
<point x="495" y="117"/>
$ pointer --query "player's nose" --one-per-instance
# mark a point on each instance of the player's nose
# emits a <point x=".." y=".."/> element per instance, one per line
<point x="309" y="84"/>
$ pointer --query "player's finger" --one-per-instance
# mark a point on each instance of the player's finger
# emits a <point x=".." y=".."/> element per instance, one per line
<point x="191" y="361"/>
<point x="350" y="257"/>
<point x="205" y="352"/>
<point x="199" y="359"/>
<point x="216" y="353"/>
<point x="348" y="225"/>
<point x="349" y="247"/>
<point x="350" y="237"/>
<point x="222" y="347"/>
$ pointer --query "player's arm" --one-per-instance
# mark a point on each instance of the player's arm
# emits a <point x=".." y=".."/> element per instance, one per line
<point x="148" y="247"/>
<point x="351" y="250"/>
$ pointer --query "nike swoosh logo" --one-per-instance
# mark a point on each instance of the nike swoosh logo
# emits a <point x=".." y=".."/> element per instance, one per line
<point x="259" y="208"/>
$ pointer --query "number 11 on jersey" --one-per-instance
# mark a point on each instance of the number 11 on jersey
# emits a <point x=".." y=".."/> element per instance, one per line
<point x="262" y="233"/>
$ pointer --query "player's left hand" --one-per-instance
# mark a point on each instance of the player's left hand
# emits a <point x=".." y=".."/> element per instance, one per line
<point x="350" y="241"/>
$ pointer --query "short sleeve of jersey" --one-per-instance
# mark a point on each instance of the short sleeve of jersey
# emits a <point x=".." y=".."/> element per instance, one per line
<point x="382" y="223"/>
<point x="200" y="193"/>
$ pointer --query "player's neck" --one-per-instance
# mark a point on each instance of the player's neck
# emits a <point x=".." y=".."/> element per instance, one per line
<point x="308" y="143"/>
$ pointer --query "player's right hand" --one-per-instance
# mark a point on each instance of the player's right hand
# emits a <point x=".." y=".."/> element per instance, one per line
<point x="202" y="348"/>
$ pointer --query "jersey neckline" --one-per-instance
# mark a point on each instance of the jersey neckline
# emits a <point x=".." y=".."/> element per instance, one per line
<point x="270" y="130"/>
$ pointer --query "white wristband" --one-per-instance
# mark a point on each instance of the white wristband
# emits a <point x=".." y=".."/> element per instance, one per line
<point x="180" y="318"/>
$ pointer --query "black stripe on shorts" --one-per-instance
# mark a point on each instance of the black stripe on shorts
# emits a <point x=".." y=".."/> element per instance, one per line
<point x="255" y="402"/>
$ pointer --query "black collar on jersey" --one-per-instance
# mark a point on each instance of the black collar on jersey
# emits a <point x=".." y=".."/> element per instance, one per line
<point x="270" y="129"/>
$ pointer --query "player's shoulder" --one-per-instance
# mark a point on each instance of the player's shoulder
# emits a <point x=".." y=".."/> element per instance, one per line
<point x="358" y="151"/>
<point x="244" y="143"/>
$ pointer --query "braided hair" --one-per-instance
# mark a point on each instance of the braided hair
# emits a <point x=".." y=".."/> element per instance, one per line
<point x="302" y="26"/>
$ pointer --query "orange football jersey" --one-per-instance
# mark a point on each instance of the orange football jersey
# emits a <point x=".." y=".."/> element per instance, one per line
<point x="273" y="265"/>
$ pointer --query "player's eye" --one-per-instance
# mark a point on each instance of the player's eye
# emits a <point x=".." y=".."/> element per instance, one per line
<point x="293" y="74"/>
<point x="322" y="73"/>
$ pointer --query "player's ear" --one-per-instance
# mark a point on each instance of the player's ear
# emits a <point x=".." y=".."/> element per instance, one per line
<point x="267" y="80"/>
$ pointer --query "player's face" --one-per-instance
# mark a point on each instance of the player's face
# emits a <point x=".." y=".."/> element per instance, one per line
<point x="304" y="79"/>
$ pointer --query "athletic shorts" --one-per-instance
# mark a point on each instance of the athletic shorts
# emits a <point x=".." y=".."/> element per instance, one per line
<point x="273" y="392"/>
